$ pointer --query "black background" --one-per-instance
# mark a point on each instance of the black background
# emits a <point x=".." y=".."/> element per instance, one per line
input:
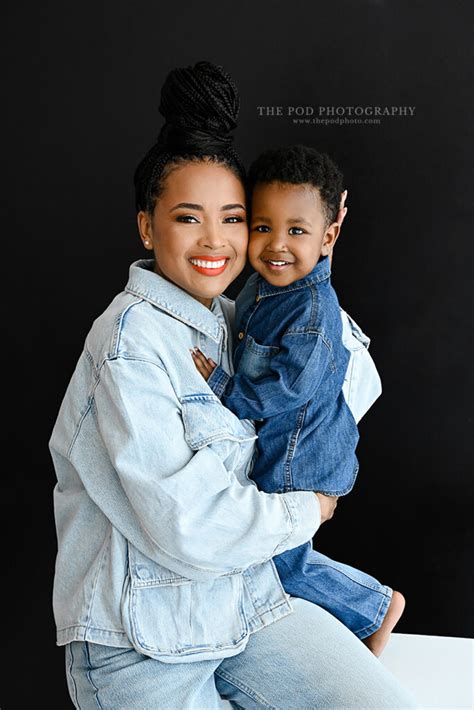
<point x="82" y="98"/>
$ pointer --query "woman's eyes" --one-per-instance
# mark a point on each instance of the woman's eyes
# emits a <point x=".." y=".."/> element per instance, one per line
<point x="191" y="219"/>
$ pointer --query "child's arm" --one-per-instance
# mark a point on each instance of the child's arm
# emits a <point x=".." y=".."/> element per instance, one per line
<point x="296" y="373"/>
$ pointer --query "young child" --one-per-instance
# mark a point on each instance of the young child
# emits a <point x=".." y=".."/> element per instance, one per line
<point x="291" y="364"/>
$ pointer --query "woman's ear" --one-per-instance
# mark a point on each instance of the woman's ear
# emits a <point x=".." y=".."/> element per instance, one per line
<point x="145" y="229"/>
<point x="330" y="238"/>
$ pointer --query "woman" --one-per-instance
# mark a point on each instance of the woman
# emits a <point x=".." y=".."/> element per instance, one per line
<point x="165" y="592"/>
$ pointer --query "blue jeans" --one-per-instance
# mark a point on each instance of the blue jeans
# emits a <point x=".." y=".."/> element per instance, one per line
<point x="352" y="596"/>
<point x="305" y="660"/>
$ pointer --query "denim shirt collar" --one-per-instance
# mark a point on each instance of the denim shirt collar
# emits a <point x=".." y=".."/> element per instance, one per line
<point x="320" y="272"/>
<point x="172" y="299"/>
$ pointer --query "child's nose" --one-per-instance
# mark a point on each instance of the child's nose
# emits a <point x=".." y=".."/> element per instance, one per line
<point x="277" y="241"/>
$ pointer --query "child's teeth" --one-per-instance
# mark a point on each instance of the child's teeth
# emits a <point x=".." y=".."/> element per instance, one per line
<point x="277" y="263"/>
<point x="208" y="264"/>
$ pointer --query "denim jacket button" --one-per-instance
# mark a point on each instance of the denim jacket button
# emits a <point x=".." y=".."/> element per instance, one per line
<point x="257" y="299"/>
<point x="241" y="335"/>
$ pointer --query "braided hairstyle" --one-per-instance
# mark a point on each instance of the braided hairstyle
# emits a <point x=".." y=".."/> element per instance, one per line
<point x="300" y="165"/>
<point x="200" y="105"/>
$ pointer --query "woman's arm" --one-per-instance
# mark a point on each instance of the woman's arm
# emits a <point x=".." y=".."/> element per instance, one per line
<point x="201" y="520"/>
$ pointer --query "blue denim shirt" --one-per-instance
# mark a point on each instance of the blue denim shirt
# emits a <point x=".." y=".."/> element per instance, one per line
<point x="290" y="364"/>
<point x="164" y="542"/>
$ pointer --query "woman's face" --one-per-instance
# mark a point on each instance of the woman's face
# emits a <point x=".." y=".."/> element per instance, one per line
<point x="198" y="231"/>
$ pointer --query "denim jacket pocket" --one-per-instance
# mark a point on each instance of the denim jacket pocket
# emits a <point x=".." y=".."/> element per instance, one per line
<point x="256" y="359"/>
<point x="206" y="421"/>
<point x="173" y="619"/>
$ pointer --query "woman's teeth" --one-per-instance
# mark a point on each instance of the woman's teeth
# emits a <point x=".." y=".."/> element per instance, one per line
<point x="208" y="264"/>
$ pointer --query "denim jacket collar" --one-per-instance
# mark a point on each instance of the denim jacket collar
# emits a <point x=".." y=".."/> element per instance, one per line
<point x="152" y="287"/>
<point x="320" y="272"/>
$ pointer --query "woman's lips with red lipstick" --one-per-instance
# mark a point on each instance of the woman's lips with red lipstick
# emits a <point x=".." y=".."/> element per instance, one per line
<point x="209" y="265"/>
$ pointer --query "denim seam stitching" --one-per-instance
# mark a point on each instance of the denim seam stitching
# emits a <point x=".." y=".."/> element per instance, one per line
<point x="75" y="699"/>
<point x="244" y="688"/>
<point x="96" y="580"/>
<point x="118" y="327"/>
<point x="376" y="620"/>
<point x="354" y="579"/>
<point x="89" y="676"/>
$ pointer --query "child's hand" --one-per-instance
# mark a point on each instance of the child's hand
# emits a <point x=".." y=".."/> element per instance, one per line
<point x="204" y="364"/>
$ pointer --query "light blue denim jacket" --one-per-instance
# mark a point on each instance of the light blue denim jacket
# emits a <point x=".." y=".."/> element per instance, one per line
<point x="164" y="543"/>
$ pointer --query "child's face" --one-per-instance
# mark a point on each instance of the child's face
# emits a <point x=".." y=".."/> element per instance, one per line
<point x="288" y="226"/>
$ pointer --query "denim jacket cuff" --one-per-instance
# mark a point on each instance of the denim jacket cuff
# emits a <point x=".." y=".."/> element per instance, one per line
<point x="218" y="380"/>
<point x="305" y="514"/>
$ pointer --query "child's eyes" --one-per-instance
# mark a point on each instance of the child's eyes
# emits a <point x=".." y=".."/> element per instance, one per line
<point x="294" y="231"/>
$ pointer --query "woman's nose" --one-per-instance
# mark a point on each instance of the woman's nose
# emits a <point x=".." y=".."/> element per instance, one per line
<point x="212" y="237"/>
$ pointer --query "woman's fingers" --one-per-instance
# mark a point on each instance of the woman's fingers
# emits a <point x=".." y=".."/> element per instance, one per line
<point x="342" y="209"/>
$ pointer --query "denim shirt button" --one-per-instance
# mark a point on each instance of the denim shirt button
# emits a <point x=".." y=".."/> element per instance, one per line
<point x="257" y="299"/>
<point x="241" y="335"/>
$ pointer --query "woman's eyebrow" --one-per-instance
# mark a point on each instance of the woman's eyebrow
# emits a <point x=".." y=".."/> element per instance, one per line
<point x="234" y="206"/>
<point x="188" y="206"/>
<point x="193" y="206"/>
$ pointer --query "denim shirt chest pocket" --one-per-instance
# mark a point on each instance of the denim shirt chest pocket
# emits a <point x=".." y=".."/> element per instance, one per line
<point x="170" y="616"/>
<point x="256" y="359"/>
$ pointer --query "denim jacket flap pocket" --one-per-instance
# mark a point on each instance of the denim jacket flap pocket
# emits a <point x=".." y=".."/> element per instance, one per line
<point x="144" y="572"/>
<point x="206" y="421"/>
<point x="175" y="619"/>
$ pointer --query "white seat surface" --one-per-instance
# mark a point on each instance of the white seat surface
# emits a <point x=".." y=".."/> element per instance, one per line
<point x="438" y="670"/>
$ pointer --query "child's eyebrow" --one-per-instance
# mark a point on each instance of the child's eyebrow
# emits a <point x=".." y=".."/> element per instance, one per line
<point x="260" y="218"/>
<point x="300" y="220"/>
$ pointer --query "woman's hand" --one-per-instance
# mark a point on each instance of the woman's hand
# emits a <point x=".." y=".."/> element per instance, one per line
<point x="342" y="210"/>
<point x="328" y="505"/>
<point x="203" y="364"/>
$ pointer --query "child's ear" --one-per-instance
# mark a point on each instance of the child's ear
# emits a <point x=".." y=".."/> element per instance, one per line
<point x="330" y="238"/>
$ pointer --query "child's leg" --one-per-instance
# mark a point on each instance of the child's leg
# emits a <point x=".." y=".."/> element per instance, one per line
<point x="355" y="598"/>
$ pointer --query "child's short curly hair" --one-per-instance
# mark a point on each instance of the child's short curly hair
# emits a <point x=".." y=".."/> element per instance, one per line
<point x="299" y="165"/>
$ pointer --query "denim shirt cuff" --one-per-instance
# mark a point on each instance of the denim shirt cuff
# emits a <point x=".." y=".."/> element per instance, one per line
<point x="218" y="380"/>
<point x="305" y="514"/>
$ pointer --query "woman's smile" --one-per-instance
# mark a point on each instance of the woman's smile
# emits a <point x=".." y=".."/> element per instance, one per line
<point x="209" y="265"/>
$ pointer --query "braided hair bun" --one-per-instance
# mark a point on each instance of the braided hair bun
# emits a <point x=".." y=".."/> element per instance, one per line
<point x="200" y="105"/>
